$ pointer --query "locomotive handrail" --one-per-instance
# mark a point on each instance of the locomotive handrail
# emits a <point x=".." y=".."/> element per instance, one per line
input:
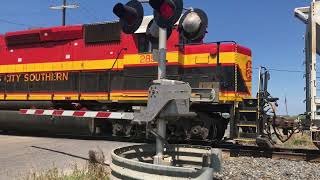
<point x="109" y="73"/>
<point x="218" y="47"/>
<point x="215" y="42"/>
<point x="118" y="55"/>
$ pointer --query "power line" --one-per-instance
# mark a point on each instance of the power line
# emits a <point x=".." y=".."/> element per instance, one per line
<point x="282" y="70"/>
<point x="16" y="23"/>
<point x="285" y="70"/>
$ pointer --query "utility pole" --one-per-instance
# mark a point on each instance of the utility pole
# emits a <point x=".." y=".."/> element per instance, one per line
<point x="285" y="101"/>
<point x="64" y="13"/>
<point x="64" y="8"/>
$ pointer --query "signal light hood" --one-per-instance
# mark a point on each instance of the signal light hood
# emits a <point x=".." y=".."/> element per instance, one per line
<point x="130" y="14"/>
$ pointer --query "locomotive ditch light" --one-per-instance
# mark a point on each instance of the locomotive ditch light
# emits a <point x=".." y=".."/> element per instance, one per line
<point x="130" y="14"/>
<point x="166" y="12"/>
<point x="193" y="24"/>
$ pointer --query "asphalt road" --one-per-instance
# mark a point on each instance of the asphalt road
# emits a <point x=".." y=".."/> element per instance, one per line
<point x="20" y="154"/>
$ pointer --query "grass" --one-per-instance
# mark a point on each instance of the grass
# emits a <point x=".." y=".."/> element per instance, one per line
<point x="301" y="140"/>
<point x="94" y="170"/>
<point x="89" y="172"/>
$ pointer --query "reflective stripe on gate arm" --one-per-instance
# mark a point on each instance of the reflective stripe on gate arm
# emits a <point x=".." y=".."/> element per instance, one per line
<point x="85" y="114"/>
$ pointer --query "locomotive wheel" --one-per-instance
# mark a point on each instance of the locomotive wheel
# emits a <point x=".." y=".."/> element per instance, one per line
<point x="221" y="128"/>
<point x="216" y="126"/>
<point x="213" y="132"/>
<point x="121" y="129"/>
<point x="217" y="132"/>
<point x="199" y="131"/>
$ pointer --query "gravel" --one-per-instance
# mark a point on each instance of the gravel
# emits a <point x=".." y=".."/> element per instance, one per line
<point x="262" y="168"/>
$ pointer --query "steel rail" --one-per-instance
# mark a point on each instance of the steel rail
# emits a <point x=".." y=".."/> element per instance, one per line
<point x="310" y="155"/>
<point x="228" y="149"/>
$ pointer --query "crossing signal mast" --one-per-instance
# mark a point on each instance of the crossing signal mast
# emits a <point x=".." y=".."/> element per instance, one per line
<point x="192" y="26"/>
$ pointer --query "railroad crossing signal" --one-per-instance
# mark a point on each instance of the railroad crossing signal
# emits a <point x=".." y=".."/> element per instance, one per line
<point x="193" y="24"/>
<point x="166" y="12"/>
<point x="130" y="14"/>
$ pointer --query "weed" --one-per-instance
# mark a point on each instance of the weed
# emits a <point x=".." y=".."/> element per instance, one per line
<point x="93" y="170"/>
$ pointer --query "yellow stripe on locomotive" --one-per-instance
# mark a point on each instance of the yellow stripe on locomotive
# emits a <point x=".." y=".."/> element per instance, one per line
<point x="73" y="77"/>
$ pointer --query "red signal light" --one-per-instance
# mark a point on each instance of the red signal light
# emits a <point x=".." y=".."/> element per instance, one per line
<point x="166" y="10"/>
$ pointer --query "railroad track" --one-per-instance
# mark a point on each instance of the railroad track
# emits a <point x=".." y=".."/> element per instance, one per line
<point x="273" y="153"/>
<point x="232" y="150"/>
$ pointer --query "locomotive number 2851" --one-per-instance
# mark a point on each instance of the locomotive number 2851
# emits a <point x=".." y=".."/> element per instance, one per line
<point x="146" y="58"/>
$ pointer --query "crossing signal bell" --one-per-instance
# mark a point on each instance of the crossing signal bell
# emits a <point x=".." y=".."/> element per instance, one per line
<point x="166" y="12"/>
<point x="130" y="14"/>
<point x="193" y="24"/>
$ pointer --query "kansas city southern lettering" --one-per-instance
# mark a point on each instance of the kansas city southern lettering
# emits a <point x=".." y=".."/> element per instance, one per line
<point x="31" y="77"/>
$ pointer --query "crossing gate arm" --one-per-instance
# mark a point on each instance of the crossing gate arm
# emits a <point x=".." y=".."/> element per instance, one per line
<point x="84" y="114"/>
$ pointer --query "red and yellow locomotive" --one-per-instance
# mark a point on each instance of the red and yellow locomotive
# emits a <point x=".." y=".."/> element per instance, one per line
<point x="98" y="67"/>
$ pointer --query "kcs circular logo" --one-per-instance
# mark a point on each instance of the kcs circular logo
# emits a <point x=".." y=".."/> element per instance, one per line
<point x="249" y="70"/>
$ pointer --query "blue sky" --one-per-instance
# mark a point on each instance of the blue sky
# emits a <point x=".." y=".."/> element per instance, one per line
<point x="267" y="27"/>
